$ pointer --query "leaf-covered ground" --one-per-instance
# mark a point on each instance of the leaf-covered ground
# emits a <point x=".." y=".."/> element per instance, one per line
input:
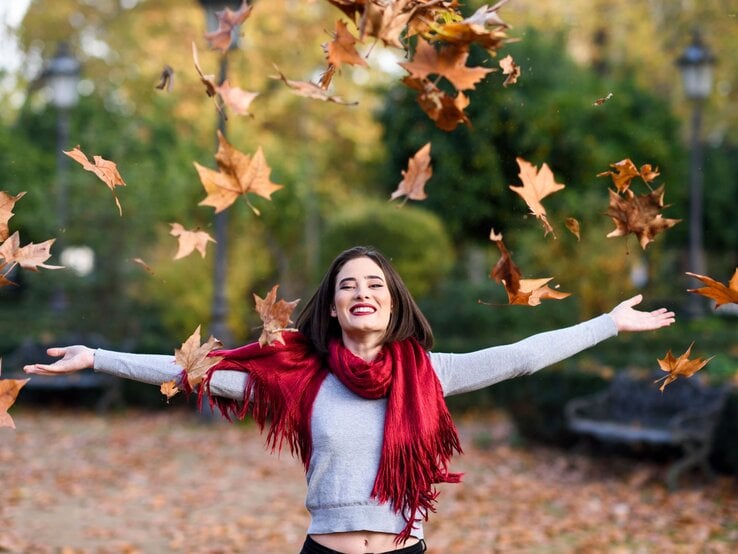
<point x="141" y="482"/>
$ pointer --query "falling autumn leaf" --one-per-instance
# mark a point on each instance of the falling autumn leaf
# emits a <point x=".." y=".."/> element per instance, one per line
<point x="720" y="293"/>
<point x="106" y="171"/>
<point x="602" y="100"/>
<point x="536" y="186"/>
<point x="573" y="226"/>
<point x="169" y="389"/>
<point x="448" y="62"/>
<point x="9" y="389"/>
<point x="207" y="80"/>
<point x="418" y="172"/>
<point x="166" y="79"/>
<point x="680" y="367"/>
<point x="193" y="358"/>
<point x="446" y="111"/>
<point x="639" y="215"/>
<point x="7" y="203"/>
<point x="625" y="171"/>
<point x="235" y="98"/>
<point x="239" y="174"/>
<point x="221" y="38"/>
<point x="143" y="264"/>
<point x="275" y="315"/>
<point x="511" y="69"/>
<point x="342" y="49"/>
<point x="485" y="28"/>
<point x="311" y="90"/>
<point x="189" y="241"/>
<point x="31" y="256"/>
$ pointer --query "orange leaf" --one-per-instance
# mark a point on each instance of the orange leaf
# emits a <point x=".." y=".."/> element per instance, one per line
<point x="193" y="356"/>
<point x="9" y="389"/>
<point x="418" y="172"/>
<point x="7" y="203"/>
<point x="511" y="69"/>
<point x="275" y="315"/>
<point x="169" y="389"/>
<point x="484" y="27"/>
<point x="220" y="39"/>
<point x="720" y="293"/>
<point x="448" y="62"/>
<point x="639" y="215"/>
<point x="532" y="291"/>
<point x="236" y="98"/>
<point x="190" y="240"/>
<point x="341" y="49"/>
<point x="446" y="111"/>
<point x="32" y="256"/>
<point x="573" y="226"/>
<point x="536" y="186"/>
<point x="624" y="172"/>
<point x="106" y="170"/>
<point x="680" y="367"/>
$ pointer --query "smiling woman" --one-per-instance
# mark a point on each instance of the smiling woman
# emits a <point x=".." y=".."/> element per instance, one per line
<point x="359" y="397"/>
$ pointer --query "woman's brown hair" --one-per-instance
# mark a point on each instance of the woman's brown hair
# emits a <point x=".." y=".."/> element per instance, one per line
<point x="406" y="320"/>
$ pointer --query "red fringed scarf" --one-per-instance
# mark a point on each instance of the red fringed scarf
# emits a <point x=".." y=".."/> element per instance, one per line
<point x="419" y="435"/>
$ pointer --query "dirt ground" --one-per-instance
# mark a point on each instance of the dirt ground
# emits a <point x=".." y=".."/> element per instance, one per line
<point x="75" y="482"/>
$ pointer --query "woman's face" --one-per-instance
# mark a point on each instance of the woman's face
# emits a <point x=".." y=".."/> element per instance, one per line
<point x="361" y="301"/>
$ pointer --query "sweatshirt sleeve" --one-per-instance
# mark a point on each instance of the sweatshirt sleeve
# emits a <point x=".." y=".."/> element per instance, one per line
<point x="156" y="369"/>
<point x="459" y="373"/>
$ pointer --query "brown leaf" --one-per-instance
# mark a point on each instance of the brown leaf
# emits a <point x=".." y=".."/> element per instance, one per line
<point x="239" y="174"/>
<point x="648" y="173"/>
<point x="532" y="291"/>
<point x="484" y="27"/>
<point x="31" y="256"/>
<point x="602" y="100"/>
<point x="446" y="111"/>
<point x="342" y="49"/>
<point x="235" y="98"/>
<point x="680" y="367"/>
<point x="505" y="271"/>
<point x="311" y="90"/>
<point x="639" y="215"/>
<point x="418" y="172"/>
<point x="166" y="79"/>
<point x="573" y="226"/>
<point x="511" y="69"/>
<point x="208" y="80"/>
<point x="536" y="186"/>
<point x="624" y="172"/>
<point x="193" y="357"/>
<point x="7" y="202"/>
<point x="220" y="39"/>
<point x="386" y="20"/>
<point x="106" y="171"/>
<point x="169" y="389"/>
<point x="190" y="240"/>
<point x="720" y="293"/>
<point x="275" y="316"/>
<point x="143" y="264"/>
<point x="9" y="389"/>
<point x="448" y="62"/>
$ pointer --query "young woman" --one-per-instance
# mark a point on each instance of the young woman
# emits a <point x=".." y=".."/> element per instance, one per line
<point x="358" y="394"/>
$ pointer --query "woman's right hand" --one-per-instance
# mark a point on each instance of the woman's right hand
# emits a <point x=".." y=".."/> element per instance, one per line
<point x="74" y="358"/>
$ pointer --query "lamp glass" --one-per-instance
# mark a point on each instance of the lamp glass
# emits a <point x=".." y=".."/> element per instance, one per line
<point x="697" y="80"/>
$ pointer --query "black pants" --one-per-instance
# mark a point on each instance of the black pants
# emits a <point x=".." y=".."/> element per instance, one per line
<point x="312" y="547"/>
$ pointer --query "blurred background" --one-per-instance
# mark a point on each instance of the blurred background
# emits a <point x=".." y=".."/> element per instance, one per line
<point x="83" y="72"/>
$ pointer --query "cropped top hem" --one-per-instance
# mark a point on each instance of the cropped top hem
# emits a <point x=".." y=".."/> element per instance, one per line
<point x="341" y="518"/>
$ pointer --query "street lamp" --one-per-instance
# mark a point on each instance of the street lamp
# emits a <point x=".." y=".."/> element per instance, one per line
<point x="219" y="307"/>
<point x="695" y="64"/>
<point x="62" y="77"/>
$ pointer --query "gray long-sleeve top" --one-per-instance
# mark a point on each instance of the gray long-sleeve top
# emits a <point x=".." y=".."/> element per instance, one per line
<point x="347" y="430"/>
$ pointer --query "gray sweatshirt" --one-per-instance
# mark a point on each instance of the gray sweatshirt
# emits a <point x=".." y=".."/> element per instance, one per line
<point x="347" y="430"/>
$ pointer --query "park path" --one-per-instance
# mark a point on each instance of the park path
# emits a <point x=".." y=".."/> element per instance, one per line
<point x="74" y="482"/>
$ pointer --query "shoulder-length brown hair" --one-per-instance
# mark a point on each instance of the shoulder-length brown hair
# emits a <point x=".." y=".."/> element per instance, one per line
<point x="406" y="319"/>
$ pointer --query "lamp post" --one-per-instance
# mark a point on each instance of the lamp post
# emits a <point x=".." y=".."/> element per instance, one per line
<point x="62" y="77"/>
<point x="695" y="65"/>
<point x="219" y="307"/>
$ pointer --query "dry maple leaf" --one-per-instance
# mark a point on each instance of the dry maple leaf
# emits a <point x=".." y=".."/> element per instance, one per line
<point x="639" y="215"/>
<point x="208" y="80"/>
<point x="169" y="389"/>
<point x="648" y="173"/>
<point x="536" y="186"/>
<point x="193" y="357"/>
<point x="189" y="240"/>
<point x="9" y="389"/>
<point x="386" y="20"/>
<point x="720" y="293"/>
<point x="311" y="90"/>
<point x="221" y="38"/>
<point x="7" y="203"/>
<point x="236" y="98"/>
<point x="602" y="100"/>
<point x="342" y="50"/>
<point x="573" y="226"/>
<point x="485" y="27"/>
<point x="680" y="367"/>
<point x="446" y="111"/>
<point x="511" y="69"/>
<point x="625" y="171"/>
<point x="239" y="174"/>
<point x="31" y="256"/>
<point x="166" y="79"/>
<point x="448" y="62"/>
<point x="275" y="315"/>
<point x="143" y="264"/>
<point x="106" y="170"/>
<point x="418" y="172"/>
<point x="504" y="271"/>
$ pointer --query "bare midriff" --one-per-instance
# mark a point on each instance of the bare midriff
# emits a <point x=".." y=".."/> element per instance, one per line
<point x="362" y="542"/>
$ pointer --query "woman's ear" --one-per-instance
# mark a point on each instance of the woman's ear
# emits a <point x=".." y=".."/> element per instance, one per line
<point x="333" y="311"/>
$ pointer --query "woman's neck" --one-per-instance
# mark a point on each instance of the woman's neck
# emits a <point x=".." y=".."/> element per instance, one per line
<point x="365" y="347"/>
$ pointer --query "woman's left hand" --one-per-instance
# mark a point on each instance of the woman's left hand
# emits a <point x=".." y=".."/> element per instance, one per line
<point x="628" y="319"/>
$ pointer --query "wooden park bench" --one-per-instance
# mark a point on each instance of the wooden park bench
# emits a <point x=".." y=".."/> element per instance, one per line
<point x="28" y="352"/>
<point x="632" y="410"/>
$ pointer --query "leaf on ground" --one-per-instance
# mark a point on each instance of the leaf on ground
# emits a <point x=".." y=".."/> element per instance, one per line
<point x="239" y="175"/>
<point x="106" y="171"/>
<point x="680" y="367"/>
<point x="342" y="49"/>
<point x="31" y="256"/>
<point x="7" y="203"/>
<point x="193" y="357"/>
<point x="275" y="316"/>
<point x="9" y="389"/>
<point x="573" y="226"/>
<point x="720" y="293"/>
<point x="511" y="69"/>
<point x="166" y="79"/>
<point x="418" y="172"/>
<point x="639" y="215"/>
<point x="220" y="39"/>
<point x="448" y="62"/>
<point x="536" y="186"/>
<point x="311" y="90"/>
<point x="189" y="240"/>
